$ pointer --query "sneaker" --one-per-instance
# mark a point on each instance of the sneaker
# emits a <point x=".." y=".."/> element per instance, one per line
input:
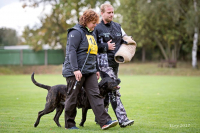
<point x="126" y="123"/>
<point x="110" y="124"/>
<point x="72" y="127"/>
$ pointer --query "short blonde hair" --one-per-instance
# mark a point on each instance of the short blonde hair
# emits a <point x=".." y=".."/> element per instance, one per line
<point x="103" y="6"/>
<point x="88" y="16"/>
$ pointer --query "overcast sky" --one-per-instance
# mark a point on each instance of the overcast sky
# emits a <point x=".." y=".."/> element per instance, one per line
<point x="12" y="15"/>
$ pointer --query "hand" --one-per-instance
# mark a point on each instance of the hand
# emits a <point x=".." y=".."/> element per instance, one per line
<point x="98" y="75"/>
<point x="78" y="75"/>
<point x="111" y="46"/>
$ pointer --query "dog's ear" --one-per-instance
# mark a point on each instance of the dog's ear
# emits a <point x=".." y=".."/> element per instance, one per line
<point x="103" y="83"/>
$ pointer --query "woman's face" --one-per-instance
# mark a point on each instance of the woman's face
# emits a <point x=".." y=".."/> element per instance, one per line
<point x="91" y="25"/>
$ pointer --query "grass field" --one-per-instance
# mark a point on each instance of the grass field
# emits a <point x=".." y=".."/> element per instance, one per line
<point x="156" y="103"/>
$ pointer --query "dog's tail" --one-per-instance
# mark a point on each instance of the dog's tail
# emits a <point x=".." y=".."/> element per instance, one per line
<point x="38" y="84"/>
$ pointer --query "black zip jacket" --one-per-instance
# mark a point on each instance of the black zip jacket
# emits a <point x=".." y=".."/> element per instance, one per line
<point x="105" y="32"/>
<point x="76" y="52"/>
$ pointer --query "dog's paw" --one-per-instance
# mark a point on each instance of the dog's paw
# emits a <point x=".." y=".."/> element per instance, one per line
<point x="59" y="126"/>
<point x="35" y="125"/>
<point x="81" y="124"/>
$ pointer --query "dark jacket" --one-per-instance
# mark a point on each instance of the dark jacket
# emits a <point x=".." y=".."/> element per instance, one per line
<point x="76" y="53"/>
<point x="105" y="32"/>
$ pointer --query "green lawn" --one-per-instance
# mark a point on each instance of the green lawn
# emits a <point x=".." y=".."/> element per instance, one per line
<point x="156" y="103"/>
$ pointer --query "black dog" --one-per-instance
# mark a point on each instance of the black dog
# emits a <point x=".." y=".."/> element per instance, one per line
<point x="57" y="94"/>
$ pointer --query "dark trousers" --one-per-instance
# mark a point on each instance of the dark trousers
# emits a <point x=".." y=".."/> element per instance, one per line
<point x="90" y="84"/>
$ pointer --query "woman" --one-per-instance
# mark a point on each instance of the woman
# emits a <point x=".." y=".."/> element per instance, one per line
<point x="79" y="40"/>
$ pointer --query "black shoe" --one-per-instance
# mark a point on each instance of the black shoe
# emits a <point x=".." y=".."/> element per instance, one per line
<point x="126" y="123"/>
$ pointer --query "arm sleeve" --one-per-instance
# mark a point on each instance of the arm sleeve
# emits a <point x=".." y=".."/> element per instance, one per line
<point x="102" y="46"/>
<point x="123" y="32"/>
<point x="97" y="64"/>
<point x="74" y="39"/>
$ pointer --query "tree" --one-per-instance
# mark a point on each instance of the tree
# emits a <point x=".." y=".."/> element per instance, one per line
<point x="65" y="14"/>
<point x="196" y="34"/>
<point x="160" y="23"/>
<point x="53" y="30"/>
<point x="131" y="22"/>
<point x="166" y="23"/>
<point x="8" y="37"/>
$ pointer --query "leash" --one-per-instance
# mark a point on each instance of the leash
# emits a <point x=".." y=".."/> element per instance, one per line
<point x="83" y="67"/>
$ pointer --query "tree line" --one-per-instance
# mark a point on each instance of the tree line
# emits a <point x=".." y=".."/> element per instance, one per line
<point x="170" y="25"/>
<point x="167" y="28"/>
<point x="8" y="37"/>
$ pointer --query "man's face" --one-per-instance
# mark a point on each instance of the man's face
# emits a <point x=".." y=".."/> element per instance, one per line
<point x="108" y="14"/>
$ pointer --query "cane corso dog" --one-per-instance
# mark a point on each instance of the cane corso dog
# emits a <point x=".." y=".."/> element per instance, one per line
<point x="57" y="94"/>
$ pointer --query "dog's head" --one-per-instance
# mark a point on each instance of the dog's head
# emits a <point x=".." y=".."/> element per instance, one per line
<point x="108" y="84"/>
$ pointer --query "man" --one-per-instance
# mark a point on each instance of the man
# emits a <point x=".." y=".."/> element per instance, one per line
<point x="109" y="38"/>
